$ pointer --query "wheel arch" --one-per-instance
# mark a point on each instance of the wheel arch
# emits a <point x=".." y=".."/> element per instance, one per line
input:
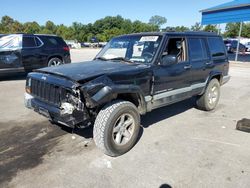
<point x="109" y="93"/>
<point x="216" y="75"/>
<point x="55" y="56"/>
<point x="136" y="98"/>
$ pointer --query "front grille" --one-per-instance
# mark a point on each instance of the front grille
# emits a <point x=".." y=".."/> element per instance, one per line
<point x="47" y="92"/>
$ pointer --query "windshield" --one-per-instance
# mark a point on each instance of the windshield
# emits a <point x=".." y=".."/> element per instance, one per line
<point x="137" y="48"/>
<point x="10" y="42"/>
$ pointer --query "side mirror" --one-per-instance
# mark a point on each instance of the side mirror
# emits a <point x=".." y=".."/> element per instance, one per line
<point x="168" y="60"/>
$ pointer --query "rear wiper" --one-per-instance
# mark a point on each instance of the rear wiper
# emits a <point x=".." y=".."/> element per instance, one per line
<point x="122" y="59"/>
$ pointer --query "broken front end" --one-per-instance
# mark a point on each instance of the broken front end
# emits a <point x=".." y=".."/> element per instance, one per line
<point x="58" y="99"/>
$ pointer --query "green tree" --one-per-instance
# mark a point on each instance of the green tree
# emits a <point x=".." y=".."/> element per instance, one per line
<point x="50" y="27"/>
<point x="157" y="20"/>
<point x="232" y="30"/>
<point x="6" y="24"/>
<point x="139" y="26"/>
<point x="196" y="27"/>
<point x="211" y="28"/>
<point x="31" y="27"/>
<point x="246" y="30"/>
<point x="104" y="29"/>
<point x="110" y="33"/>
<point x="168" y="28"/>
<point x="181" y="28"/>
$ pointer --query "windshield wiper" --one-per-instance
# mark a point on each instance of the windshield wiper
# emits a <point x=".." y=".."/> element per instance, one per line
<point x="121" y="59"/>
<point x="102" y="58"/>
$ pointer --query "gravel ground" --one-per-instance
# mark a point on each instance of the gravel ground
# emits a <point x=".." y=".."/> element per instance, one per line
<point x="179" y="146"/>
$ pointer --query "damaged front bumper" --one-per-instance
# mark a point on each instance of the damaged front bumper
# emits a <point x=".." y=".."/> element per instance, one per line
<point x="65" y="115"/>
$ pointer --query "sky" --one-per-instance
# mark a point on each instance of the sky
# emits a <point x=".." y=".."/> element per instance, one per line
<point x="177" y="12"/>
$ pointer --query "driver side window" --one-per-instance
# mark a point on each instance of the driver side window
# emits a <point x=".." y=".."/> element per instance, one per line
<point x="176" y="47"/>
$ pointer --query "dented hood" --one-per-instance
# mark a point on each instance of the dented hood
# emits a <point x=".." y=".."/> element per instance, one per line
<point x="90" y="69"/>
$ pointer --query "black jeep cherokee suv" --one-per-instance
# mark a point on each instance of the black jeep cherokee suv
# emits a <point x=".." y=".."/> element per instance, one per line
<point x="25" y="52"/>
<point x="131" y="76"/>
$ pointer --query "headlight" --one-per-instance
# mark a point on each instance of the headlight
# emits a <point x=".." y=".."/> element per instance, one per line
<point x="28" y="85"/>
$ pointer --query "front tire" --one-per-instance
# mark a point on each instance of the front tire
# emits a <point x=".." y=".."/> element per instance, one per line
<point x="209" y="100"/>
<point x="116" y="128"/>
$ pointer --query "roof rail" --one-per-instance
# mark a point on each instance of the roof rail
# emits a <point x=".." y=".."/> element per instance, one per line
<point x="45" y="34"/>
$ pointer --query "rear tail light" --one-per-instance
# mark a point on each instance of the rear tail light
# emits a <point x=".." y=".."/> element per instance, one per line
<point x="66" y="48"/>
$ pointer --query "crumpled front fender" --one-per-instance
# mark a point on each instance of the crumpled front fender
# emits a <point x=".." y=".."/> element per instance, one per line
<point x="102" y="90"/>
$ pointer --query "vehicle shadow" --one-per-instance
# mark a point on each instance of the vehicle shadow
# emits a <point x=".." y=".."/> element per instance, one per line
<point x="85" y="132"/>
<point x="147" y="120"/>
<point x="12" y="77"/>
<point x="167" y="112"/>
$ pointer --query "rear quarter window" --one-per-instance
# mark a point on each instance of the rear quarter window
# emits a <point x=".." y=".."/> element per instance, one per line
<point x="38" y="41"/>
<point x="217" y="47"/>
<point x="54" y="42"/>
<point x="197" y="49"/>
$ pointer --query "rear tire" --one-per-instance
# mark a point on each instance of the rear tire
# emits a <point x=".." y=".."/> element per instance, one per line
<point x="209" y="100"/>
<point x="55" y="62"/>
<point x="116" y="128"/>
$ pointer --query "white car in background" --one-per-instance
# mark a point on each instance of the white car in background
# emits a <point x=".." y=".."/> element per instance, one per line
<point x="247" y="46"/>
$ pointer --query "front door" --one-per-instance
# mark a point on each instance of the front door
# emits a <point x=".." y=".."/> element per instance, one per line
<point x="10" y="57"/>
<point x="172" y="82"/>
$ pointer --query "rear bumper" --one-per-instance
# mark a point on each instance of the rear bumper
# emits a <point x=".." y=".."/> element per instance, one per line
<point x="54" y="113"/>
<point x="67" y="59"/>
<point x="225" y="79"/>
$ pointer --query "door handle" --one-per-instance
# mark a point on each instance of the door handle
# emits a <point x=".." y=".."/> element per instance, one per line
<point x="209" y="63"/>
<point x="187" y="67"/>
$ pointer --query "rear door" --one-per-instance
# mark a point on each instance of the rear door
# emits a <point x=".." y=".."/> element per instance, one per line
<point x="201" y="63"/>
<point x="218" y="55"/>
<point x="10" y="57"/>
<point x="32" y="54"/>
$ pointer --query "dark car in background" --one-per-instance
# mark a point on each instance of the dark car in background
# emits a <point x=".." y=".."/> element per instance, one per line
<point x="25" y="52"/>
<point x="231" y="46"/>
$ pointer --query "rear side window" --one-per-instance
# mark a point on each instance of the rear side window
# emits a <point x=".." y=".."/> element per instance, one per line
<point x="38" y="41"/>
<point x="29" y="42"/>
<point x="197" y="48"/>
<point x="216" y="46"/>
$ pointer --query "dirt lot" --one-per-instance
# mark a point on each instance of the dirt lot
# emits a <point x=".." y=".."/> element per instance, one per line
<point x="180" y="146"/>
